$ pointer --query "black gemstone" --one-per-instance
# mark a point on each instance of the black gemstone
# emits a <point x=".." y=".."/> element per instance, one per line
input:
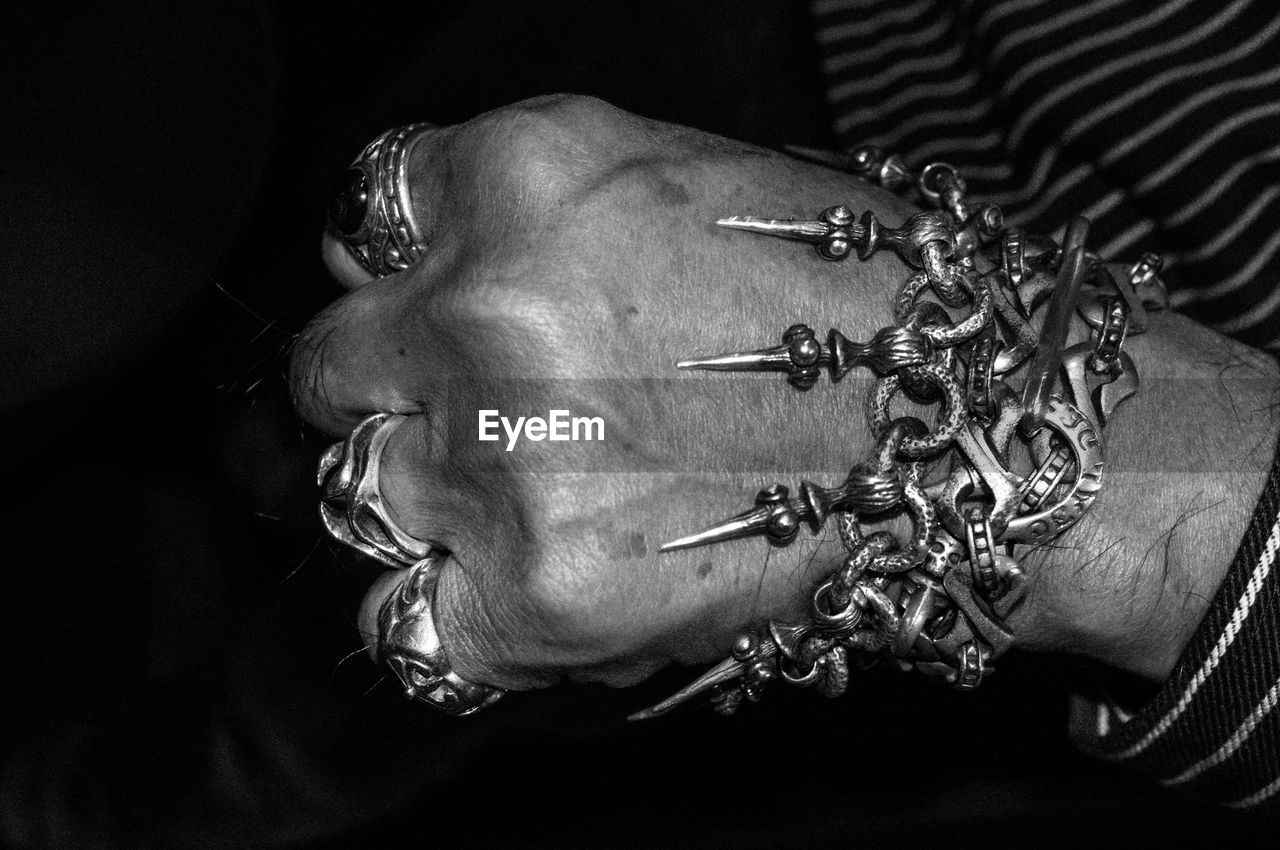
<point x="349" y="201"/>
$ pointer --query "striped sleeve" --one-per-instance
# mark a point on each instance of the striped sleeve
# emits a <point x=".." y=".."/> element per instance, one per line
<point x="1158" y="121"/>
<point x="1213" y="728"/>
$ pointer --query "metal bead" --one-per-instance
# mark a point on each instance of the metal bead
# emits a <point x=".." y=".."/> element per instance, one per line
<point x="894" y="173"/>
<point x="782" y="527"/>
<point x="805" y="352"/>
<point x="798" y="331"/>
<point x="836" y="246"/>
<point x="745" y="646"/>
<point x="991" y="221"/>
<point x="864" y="158"/>
<point x="774" y="494"/>
<point x="838" y="216"/>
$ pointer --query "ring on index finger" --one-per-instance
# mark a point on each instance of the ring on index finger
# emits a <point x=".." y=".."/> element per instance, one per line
<point x="371" y="209"/>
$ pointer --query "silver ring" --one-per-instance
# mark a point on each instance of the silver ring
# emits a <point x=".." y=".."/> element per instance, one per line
<point x="352" y="507"/>
<point x="409" y="644"/>
<point x="371" y="208"/>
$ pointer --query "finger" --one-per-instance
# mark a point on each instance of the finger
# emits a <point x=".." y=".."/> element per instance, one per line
<point x="378" y="349"/>
<point x="459" y="634"/>
<point x="342" y="263"/>
<point x="409" y="642"/>
<point x="443" y="617"/>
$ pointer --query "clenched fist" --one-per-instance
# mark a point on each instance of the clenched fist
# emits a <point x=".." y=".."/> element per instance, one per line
<point x="569" y="260"/>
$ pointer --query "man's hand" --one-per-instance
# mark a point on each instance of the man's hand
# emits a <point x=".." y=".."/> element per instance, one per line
<point x="572" y="260"/>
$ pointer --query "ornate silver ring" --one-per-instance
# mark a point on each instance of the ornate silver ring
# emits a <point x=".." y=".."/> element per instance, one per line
<point x="409" y="644"/>
<point x="371" y="208"/>
<point x="352" y="507"/>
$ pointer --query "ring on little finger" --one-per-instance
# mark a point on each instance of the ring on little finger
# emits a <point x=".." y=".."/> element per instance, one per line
<point x="409" y="644"/>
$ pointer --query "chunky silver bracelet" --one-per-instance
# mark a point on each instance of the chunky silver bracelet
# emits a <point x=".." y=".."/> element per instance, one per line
<point x="938" y="602"/>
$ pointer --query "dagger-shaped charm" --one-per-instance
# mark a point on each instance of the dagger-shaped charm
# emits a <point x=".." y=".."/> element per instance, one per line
<point x="728" y="671"/>
<point x="754" y="662"/>
<point x="802" y="357"/>
<point x="866" y="490"/>
<point x="835" y="234"/>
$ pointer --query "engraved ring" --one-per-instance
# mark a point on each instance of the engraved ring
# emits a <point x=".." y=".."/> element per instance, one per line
<point x="409" y="644"/>
<point x="371" y="208"/>
<point x="352" y="506"/>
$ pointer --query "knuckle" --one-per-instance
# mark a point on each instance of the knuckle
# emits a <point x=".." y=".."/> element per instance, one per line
<point x="543" y="119"/>
<point x="537" y="150"/>
<point x="567" y="608"/>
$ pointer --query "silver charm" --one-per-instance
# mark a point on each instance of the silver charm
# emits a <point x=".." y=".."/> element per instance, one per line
<point x="724" y="674"/>
<point x="835" y="235"/>
<point x="802" y="357"/>
<point x="866" y="490"/>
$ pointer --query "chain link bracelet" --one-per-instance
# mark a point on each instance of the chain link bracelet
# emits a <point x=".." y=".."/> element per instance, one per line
<point x="938" y="601"/>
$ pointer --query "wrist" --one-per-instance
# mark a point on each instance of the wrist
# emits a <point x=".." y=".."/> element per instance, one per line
<point x="1187" y="458"/>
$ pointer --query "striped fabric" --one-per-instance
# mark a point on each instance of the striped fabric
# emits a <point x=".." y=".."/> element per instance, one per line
<point x="1213" y="727"/>
<point x="1158" y="121"/>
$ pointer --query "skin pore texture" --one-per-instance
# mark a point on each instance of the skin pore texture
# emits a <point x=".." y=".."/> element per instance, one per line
<point x="572" y="261"/>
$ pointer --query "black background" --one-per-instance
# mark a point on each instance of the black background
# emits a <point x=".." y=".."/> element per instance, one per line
<point x="173" y="620"/>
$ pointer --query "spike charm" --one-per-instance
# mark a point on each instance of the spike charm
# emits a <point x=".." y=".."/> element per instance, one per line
<point x="729" y="670"/>
<point x="866" y="490"/>
<point x="753" y="663"/>
<point x="803" y="357"/>
<point x="835" y="233"/>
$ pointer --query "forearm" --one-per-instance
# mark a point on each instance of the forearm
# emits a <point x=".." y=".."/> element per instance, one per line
<point x="1187" y="458"/>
